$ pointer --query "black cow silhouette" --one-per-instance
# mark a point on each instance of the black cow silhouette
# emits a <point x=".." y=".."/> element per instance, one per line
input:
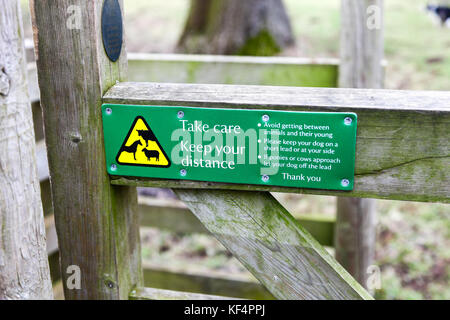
<point x="132" y="149"/>
<point x="443" y="12"/>
<point x="151" y="154"/>
<point x="147" y="135"/>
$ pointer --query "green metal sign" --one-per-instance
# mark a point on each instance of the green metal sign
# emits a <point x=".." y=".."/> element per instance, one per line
<point x="262" y="147"/>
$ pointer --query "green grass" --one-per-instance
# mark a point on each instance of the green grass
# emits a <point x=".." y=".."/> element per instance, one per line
<point x="411" y="37"/>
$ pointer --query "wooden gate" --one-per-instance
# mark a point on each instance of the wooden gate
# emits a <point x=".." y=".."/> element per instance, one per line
<point x="402" y="153"/>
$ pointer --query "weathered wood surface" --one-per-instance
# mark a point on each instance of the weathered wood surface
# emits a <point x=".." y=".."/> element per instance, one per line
<point x="24" y="271"/>
<point x="159" y="294"/>
<point x="361" y="52"/>
<point x="280" y="71"/>
<point x="187" y="68"/>
<point x="362" y="44"/>
<point x="176" y="217"/>
<point x="97" y="224"/>
<point x="213" y="283"/>
<point x="403" y="141"/>
<point x="174" y="279"/>
<point x="268" y="241"/>
<point x="355" y="236"/>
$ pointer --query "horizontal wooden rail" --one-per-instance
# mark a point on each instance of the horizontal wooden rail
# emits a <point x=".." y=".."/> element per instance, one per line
<point x="171" y="278"/>
<point x="187" y="68"/>
<point x="282" y="71"/>
<point x="175" y="216"/>
<point x="159" y="294"/>
<point x="403" y="141"/>
<point x="215" y="283"/>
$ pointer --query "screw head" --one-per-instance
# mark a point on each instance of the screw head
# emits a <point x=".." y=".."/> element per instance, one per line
<point x="108" y="111"/>
<point x="183" y="172"/>
<point x="109" y="284"/>
<point x="113" y="167"/>
<point x="180" y="114"/>
<point x="348" y="121"/>
<point x="265" y="178"/>
<point x="345" y="182"/>
<point x="265" y="118"/>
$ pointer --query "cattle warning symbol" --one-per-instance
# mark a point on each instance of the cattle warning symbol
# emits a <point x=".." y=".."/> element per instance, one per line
<point x="142" y="148"/>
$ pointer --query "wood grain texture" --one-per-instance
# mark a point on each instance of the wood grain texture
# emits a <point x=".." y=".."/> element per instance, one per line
<point x="361" y="52"/>
<point x="355" y="238"/>
<point x="176" y="217"/>
<point x="212" y="283"/>
<point x="160" y="294"/>
<point x="362" y="44"/>
<point x="190" y="68"/>
<point x="24" y="270"/>
<point x="280" y="71"/>
<point x="403" y="141"/>
<point x="268" y="241"/>
<point x="97" y="224"/>
<point x="178" y="279"/>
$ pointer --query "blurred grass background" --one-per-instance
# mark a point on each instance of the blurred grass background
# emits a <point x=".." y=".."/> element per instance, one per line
<point x="416" y="47"/>
<point x="413" y="245"/>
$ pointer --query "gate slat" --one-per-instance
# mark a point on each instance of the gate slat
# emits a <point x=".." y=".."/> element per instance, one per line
<point x="268" y="241"/>
<point x="403" y="141"/>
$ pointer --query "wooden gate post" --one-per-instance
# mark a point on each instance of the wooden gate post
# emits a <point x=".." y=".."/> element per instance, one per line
<point x="24" y="272"/>
<point x="97" y="224"/>
<point x="361" y="58"/>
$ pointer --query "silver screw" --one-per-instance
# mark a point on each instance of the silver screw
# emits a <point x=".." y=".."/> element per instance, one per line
<point x="348" y="121"/>
<point x="345" y="182"/>
<point x="108" y="111"/>
<point x="180" y="114"/>
<point x="113" y="167"/>
<point x="183" y="172"/>
<point x="265" y="118"/>
<point x="265" y="178"/>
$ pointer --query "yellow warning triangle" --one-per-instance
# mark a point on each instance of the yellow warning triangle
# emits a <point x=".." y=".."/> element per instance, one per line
<point x="142" y="148"/>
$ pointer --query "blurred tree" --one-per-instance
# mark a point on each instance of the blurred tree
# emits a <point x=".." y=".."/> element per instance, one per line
<point x="250" y="27"/>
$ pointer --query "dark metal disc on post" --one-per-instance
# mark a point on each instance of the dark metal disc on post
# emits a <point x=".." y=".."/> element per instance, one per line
<point x="112" y="29"/>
